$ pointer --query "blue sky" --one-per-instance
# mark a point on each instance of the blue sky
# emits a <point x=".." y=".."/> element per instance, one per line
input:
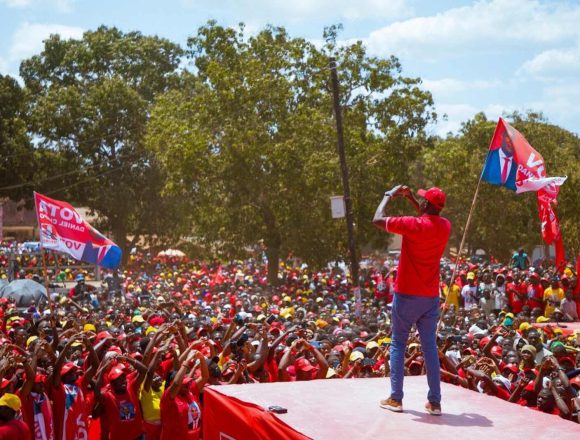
<point x="494" y="56"/>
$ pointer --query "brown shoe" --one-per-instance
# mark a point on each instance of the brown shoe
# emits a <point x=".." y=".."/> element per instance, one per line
<point x="391" y="405"/>
<point x="433" y="408"/>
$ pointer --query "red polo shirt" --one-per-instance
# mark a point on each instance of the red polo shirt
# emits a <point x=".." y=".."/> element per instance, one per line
<point x="424" y="241"/>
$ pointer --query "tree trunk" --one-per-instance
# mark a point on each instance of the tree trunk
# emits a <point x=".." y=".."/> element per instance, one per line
<point x="272" y="242"/>
<point x="273" y="254"/>
<point x="120" y="238"/>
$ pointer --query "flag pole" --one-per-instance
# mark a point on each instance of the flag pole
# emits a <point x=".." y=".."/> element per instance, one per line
<point x="43" y="256"/>
<point x="46" y="283"/>
<point x="467" y="223"/>
<point x="460" y="250"/>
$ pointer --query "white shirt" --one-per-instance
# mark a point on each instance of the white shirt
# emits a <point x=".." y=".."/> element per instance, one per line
<point x="467" y="293"/>
<point x="502" y="159"/>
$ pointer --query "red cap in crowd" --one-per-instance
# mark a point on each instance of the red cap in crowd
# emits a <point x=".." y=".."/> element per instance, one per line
<point x="67" y="368"/>
<point x="116" y="372"/>
<point x="303" y="364"/>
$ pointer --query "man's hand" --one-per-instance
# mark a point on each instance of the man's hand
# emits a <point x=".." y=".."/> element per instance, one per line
<point x="394" y="191"/>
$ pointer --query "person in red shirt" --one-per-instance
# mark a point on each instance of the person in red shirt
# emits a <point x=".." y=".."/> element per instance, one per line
<point x="10" y="428"/>
<point x="516" y="292"/>
<point x="69" y="395"/>
<point x="36" y="407"/>
<point x="118" y="403"/>
<point x="535" y="292"/>
<point x="416" y="299"/>
<point x="180" y="406"/>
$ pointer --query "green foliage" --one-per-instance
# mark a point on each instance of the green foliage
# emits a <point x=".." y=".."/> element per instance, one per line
<point x="251" y="138"/>
<point x="16" y="151"/>
<point x="89" y="102"/>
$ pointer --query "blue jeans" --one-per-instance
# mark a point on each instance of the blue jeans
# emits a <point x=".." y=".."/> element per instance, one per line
<point x="424" y="312"/>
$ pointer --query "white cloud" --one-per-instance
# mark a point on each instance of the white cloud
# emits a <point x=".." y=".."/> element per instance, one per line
<point x="3" y="66"/>
<point x="28" y="38"/>
<point x="483" y="25"/>
<point x="553" y="63"/>
<point x="559" y="102"/>
<point x="446" y="86"/>
<point x="451" y="116"/>
<point x="16" y="3"/>
<point x="301" y="10"/>
<point x="60" y="5"/>
<point x="454" y="114"/>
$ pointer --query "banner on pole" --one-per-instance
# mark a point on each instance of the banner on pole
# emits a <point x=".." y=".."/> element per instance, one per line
<point x="514" y="164"/>
<point x="337" y="207"/>
<point x="63" y="229"/>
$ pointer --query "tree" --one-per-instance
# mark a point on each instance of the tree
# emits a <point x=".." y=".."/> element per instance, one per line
<point x="251" y="139"/>
<point x="16" y="150"/>
<point x="90" y="101"/>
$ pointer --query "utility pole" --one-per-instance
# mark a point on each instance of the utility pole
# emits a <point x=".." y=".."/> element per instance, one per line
<point x="344" y="171"/>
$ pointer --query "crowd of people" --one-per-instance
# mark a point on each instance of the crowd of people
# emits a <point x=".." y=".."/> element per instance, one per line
<point x="129" y="358"/>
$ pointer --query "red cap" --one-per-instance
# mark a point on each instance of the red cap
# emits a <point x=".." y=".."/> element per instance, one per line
<point x="116" y="372"/>
<point x="434" y="195"/>
<point x="67" y="368"/>
<point x="103" y="335"/>
<point x="4" y="384"/>
<point x="39" y="378"/>
<point x="303" y="364"/>
<point x="512" y="367"/>
<point x="156" y="321"/>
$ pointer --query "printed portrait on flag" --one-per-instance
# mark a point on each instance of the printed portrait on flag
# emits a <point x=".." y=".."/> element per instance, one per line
<point x="500" y="167"/>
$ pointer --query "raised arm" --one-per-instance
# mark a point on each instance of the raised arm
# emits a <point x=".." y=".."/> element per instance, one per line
<point x="380" y="214"/>
<point x="262" y="352"/>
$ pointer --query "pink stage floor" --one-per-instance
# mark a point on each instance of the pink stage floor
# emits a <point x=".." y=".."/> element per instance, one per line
<point x="348" y="409"/>
<point x="567" y="327"/>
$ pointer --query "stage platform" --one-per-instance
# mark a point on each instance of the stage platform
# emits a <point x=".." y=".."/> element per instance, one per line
<point x="348" y="409"/>
<point x="568" y="328"/>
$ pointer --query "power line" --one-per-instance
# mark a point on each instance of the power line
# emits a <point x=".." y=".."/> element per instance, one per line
<point x="68" y="139"/>
<point x="57" y="176"/>
<point x="54" y="191"/>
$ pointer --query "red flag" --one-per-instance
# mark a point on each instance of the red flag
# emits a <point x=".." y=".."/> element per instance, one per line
<point x="577" y="290"/>
<point x="513" y="163"/>
<point x="548" y="219"/>
<point x="560" y="255"/>
<point x="217" y="278"/>
<point x="225" y="417"/>
<point x="551" y="232"/>
<point x="64" y="230"/>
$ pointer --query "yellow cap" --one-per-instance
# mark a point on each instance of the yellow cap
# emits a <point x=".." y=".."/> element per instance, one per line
<point x="150" y="330"/>
<point x="90" y="328"/>
<point x="12" y="401"/>
<point x="30" y="340"/>
<point x="356" y="355"/>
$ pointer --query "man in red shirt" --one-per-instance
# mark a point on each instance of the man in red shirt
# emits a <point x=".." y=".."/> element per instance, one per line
<point x="180" y="405"/>
<point x="11" y="429"/>
<point x="416" y="299"/>
<point x="535" y="292"/>
<point x="69" y="393"/>
<point x="118" y="403"/>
